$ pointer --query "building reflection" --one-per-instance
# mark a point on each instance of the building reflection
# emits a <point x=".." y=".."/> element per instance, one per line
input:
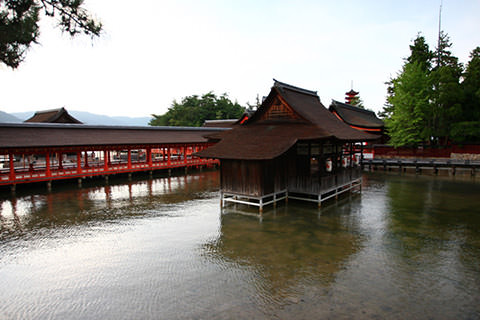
<point x="69" y="205"/>
<point x="287" y="251"/>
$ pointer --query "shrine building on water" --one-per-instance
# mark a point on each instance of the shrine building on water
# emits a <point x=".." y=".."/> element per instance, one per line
<point x="292" y="147"/>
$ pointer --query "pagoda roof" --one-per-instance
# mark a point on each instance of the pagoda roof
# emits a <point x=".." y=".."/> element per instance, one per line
<point x="356" y="116"/>
<point x="59" y="115"/>
<point x="261" y="138"/>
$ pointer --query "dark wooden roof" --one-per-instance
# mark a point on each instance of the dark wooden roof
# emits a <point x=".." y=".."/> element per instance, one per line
<point x="356" y="116"/>
<point x="70" y="135"/>
<point x="53" y="116"/>
<point x="225" y="123"/>
<point x="267" y="134"/>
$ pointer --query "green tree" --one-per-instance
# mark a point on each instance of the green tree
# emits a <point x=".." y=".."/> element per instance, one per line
<point x="420" y="53"/>
<point x="388" y="108"/>
<point x="468" y="129"/>
<point x="407" y="110"/>
<point x="19" y="24"/>
<point x="471" y="87"/>
<point x="407" y="124"/>
<point x="193" y="110"/>
<point x="447" y="94"/>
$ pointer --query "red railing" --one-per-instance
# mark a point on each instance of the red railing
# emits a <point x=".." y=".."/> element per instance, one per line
<point x="19" y="166"/>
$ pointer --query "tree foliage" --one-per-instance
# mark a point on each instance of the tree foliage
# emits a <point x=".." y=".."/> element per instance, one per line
<point x="193" y="110"/>
<point x="428" y="103"/>
<point x="19" y="24"/>
<point x="408" y="123"/>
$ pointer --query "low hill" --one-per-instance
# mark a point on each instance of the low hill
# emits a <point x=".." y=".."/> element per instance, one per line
<point x="6" y="117"/>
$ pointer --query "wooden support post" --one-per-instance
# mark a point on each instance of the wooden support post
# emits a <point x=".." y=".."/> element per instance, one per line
<point x="60" y="162"/>
<point x="48" y="172"/>
<point x="49" y="186"/>
<point x="13" y="187"/>
<point x="149" y="157"/>
<point x="453" y="170"/>
<point x="473" y="172"/>
<point x="129" y="165"/>
<point x="105" y="160"/>
<point x="79" y="182"/>
<point x="129" y="176"/>
<point x="106" y="179"/>
<point x="11" y="160"/>
<point x="86" y="159"/>
<point x="319" y="200"/>
<point x="79" y="162"/>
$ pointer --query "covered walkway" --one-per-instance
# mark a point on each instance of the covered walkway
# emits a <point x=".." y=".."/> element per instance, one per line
<point x="46" y="152"/>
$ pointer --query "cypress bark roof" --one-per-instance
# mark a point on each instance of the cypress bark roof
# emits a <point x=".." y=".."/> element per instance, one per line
<point x="356" y="116"/>
<point x="71" y="135"/>
<point x="53" y="116"/>
<point x="287" y="115"/>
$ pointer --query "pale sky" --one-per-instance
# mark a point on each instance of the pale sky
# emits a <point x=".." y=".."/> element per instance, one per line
<point x="153" y="52"/>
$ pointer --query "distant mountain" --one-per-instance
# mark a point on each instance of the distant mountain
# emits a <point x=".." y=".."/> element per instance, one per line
<point x="94" y="119"/>
<point x="6" y="117"/>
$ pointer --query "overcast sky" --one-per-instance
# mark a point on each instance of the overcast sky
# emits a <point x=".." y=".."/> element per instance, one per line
<point x="153" y="52"/>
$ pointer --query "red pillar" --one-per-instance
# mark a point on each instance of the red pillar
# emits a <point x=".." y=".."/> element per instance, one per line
<point x="79" y="162"/>
<point x="12" y="166"/>
<point x="105" y="160"/>
<point x="185" y="154"/>
<point x="129" y="158"/>
<point x="169" y="156"/>
<point x="149" y="156"/>
<point x="86" y="159"/>
<point x="60" y="162"/>
<point x="47" y="163"/>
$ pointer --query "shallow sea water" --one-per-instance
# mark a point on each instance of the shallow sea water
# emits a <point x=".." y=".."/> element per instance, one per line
<point x="406" y="247"/>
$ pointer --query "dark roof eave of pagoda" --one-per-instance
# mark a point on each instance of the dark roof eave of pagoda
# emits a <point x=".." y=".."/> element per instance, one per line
<point x="356" y="116"/>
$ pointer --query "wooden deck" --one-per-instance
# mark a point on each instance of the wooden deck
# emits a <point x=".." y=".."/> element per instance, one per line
<point x="421" y="163"/>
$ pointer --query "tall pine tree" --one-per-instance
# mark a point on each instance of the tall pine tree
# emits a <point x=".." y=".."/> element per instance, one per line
<point x="407" y="112"/>
<point x="468" y="128"/>
<point x="446" y="92"/>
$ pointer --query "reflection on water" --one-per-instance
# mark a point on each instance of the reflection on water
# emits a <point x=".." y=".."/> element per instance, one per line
<point x="286" y="250"/>
<point x="406" y="247"/>
<point x="73" y="206"/>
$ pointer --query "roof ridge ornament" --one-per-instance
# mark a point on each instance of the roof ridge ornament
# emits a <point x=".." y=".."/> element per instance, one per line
<point x="283" y="85"/>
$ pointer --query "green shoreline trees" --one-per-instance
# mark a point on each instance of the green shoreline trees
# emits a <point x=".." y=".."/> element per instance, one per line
<point x="193" y="110"/>
<point x="434" y="100"/>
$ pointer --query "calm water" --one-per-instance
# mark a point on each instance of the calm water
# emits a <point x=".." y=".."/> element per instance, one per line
<point x="408" y="247"/>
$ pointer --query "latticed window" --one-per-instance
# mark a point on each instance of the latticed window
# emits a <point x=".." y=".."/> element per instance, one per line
<point x="279" y="111"/>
